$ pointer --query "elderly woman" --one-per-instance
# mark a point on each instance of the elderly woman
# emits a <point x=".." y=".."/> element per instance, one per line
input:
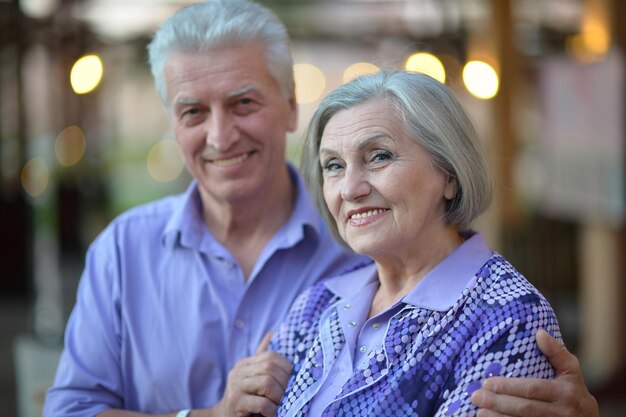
<point x="396" y="165"/>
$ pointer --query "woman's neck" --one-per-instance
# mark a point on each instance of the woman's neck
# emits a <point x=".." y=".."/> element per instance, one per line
<point x="399" y="275"/>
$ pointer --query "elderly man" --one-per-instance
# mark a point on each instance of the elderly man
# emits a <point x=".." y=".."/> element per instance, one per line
<point x="176" y="294"/>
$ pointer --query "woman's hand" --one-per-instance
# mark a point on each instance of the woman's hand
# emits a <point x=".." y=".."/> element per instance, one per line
<point x="565" y="396"/>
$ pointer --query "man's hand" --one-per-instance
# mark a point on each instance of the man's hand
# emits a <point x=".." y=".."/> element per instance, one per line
<point x="564" y="396"/>
<point x="256" y="384"/>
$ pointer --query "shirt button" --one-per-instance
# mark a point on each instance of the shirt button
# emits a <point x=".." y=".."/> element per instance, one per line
<point x="352" y="324"/>
<point x="347" y="307"/>
<point x="239" y="324"/>
<point x="376" y="326"/>
<point x="362" y="349"/>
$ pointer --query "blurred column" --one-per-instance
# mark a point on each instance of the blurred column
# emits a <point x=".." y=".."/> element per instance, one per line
<point x="601" y="259"/>
<point x="619" y="28"/>
<point x="491" y="41"/>
<point x="15" y="212"/>
<point x="600" y="352"/>
<point x="508" y="62"/>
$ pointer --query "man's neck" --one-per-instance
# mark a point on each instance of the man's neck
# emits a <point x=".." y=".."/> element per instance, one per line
<point x="244" y="227"/>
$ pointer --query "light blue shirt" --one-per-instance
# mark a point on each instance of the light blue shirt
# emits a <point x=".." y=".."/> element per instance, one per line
<point x="163" y="311"/>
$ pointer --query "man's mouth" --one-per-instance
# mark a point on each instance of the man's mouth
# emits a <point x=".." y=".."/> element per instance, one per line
<point x="231" y="161"/>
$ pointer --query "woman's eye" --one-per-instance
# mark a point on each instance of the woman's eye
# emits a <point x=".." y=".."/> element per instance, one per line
<point x="380" y="156"/>
<point x="331" y="166"/>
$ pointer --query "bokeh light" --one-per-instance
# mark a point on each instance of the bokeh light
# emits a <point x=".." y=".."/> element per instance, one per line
<point x="596" y="35"/>
<point x="69" y="146"/>
<point x="480" y="79"/>
<point x="427" y="64"/>
<point x="310" y="83"/>
<point x="592" y="44"/>
<point x="35" y="176"/>
<point x="165" y="161"/>
<point x="38" y="9"/>
<point x="86" y="74"/>
<point x="358" y="69"/>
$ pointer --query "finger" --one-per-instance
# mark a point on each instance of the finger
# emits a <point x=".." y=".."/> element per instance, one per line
<point x="270" y="362"/>
<point x="489" y="413"/>
<point x="263" y="364"/>
<point x="264" y="386"/>
<point x="526" y="388"/>
<point x="511" y="406"/>
<point x="253" y="404"/>
<point x="265" y="343"/>
<point x="558" y="355"/>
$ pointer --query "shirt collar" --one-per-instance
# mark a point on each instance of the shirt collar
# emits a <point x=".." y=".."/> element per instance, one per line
<point x="352" y="282"/>
<point x="187" y="227"/>
<point x="439" y="289"/>
<point x="304" y="213"/>
<point x="444" y="284"/>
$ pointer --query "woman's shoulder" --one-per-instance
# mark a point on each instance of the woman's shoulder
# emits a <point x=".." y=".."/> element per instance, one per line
<point x="501" y="280"/>
<point x="500" y="288"/>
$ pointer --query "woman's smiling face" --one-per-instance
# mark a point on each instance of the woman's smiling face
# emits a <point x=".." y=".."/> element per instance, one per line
<point x="380" y="185"/>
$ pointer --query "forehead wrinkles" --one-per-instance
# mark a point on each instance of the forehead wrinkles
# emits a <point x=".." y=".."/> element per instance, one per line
<point x="357" y="127"/>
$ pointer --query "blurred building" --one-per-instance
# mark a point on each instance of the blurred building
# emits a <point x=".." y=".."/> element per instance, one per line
<point x="546" y="90"/>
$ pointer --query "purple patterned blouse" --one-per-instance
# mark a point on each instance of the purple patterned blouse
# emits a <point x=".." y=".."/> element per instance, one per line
<point x="471" y="317"/>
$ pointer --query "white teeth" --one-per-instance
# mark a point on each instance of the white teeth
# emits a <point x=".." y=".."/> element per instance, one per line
<point x="231" y="161"/>
<point x="365" y="214"/>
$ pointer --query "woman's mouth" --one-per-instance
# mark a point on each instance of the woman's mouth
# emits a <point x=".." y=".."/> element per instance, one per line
<point x="365" y="214"/>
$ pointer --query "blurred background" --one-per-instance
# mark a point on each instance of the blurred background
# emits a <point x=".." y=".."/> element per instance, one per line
<point x="84" y="136"/>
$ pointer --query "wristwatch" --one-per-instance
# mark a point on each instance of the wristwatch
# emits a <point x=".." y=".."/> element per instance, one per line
<point x="183" y="413"/>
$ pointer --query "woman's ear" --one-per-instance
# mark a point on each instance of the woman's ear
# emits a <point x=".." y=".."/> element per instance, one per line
<point x="450" y="189"/>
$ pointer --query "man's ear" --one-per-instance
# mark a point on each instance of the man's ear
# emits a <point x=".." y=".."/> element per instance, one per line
<point x="292" y="124"/>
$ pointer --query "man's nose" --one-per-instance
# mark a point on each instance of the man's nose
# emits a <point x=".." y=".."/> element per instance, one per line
<point x="222" y="133"/>
<point x="355" y="185"/>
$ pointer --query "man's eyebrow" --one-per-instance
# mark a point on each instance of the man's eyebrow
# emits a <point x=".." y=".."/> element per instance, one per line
<point x="183" y="101"/>
<point x="243" y="90"/>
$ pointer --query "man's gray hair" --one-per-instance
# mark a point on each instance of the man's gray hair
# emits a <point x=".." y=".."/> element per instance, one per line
<point x="217" y="23"/>
<point x="432" y="116"/>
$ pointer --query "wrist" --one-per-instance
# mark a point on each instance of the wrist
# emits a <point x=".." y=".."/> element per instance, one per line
<point x="215" y="411"/>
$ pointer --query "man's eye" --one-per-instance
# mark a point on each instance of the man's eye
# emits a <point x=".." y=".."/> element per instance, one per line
<point x="191" y="112"/>
<point x="245" y="106"/>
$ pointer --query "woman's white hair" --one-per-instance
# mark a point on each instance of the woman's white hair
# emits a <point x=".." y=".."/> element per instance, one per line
<point x="218" y="23"/>
<point x="432" y="116"/>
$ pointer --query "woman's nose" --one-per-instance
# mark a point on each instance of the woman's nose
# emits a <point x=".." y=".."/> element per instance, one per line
<point x="355" y="185"/>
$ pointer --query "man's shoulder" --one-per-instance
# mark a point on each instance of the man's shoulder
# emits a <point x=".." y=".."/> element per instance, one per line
<point x="142" y="222"/>
<point x="156" y="211"/>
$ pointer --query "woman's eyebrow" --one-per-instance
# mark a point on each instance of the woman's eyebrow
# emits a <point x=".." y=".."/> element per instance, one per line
<point x="379" y="137"/>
